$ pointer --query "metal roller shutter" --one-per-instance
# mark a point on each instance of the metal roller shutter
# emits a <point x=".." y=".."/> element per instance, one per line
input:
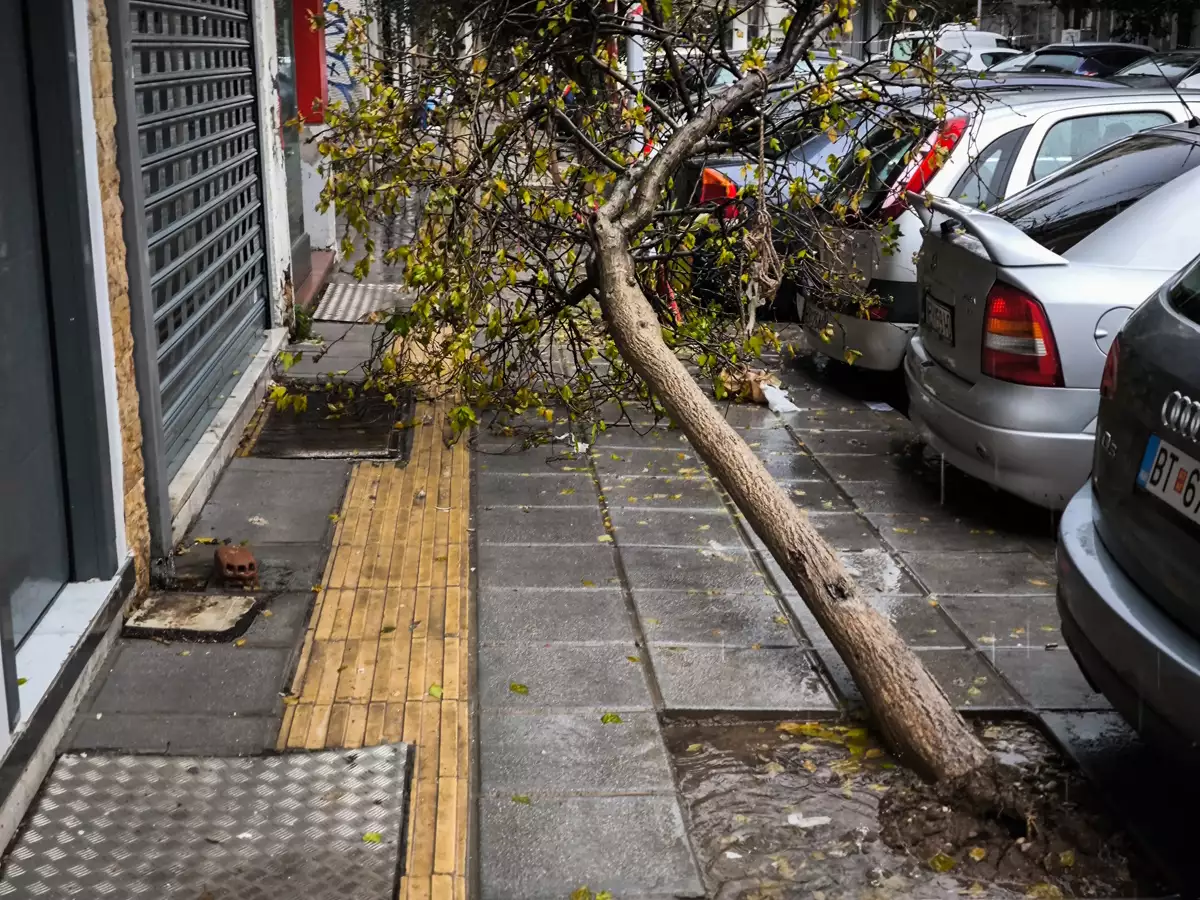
<point x="197" y="132"/>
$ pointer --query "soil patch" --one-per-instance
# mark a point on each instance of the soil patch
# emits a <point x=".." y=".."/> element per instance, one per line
<point x="814" y="810"/>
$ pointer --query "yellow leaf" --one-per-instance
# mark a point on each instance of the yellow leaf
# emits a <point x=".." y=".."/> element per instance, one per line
<point x="695" y="748"/>
<point x="605" y="539"/>
<point x="479" y="65"/>
<point x="1037" y="582"/>
<point x="240" y="642"/>
<point x="942" y="863"/>
<point x="809" y="765"/>
<point x="1067" y="858"/>
<point x="206" y="540"/>
<point x="978" y="854"/>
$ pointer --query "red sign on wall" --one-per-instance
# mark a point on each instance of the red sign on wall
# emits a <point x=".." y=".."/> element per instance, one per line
<point x="312" y="87"/>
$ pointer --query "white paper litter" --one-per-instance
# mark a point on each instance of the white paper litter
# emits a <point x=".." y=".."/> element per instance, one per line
<point x="733" y="854"/>
<point x="799" y="820"/>
<point x="879" y="406"/>
<point x="778" y="400"/>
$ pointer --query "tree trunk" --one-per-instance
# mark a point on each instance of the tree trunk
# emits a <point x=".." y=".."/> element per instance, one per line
<point x="914" y="714"/>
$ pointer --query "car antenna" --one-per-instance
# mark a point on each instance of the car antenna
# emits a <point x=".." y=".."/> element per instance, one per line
<point x="1193" y="121"/>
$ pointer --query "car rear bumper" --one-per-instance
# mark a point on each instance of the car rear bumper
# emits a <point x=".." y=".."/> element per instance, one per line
<point x="1142" y="660"/>
<point x="1042" y="467"/>
<point x="881" y="344"/>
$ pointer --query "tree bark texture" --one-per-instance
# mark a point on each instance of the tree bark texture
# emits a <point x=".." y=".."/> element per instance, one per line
<point x="913" y="712"/>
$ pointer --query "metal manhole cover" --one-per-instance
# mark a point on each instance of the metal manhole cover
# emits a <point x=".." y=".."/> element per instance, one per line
<point x="322" y="826"/>
<point x="364" y="427"/>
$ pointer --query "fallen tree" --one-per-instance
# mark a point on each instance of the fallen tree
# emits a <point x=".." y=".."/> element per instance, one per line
<point x="572" y="254"/>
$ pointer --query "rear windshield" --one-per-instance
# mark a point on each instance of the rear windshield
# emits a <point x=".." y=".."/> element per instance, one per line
<point x="1061" y="210"/>
<point x="890" y="146"/>
<point x="1185" y="294"/>
<point x="1055" y="62"/>
<point x="1014" y="63"/>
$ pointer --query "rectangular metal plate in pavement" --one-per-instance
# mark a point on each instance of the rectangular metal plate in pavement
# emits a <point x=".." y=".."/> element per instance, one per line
<point x="318" y="826"/>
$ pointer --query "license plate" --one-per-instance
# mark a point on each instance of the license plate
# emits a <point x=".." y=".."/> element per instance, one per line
<point x="1172" y="476"/>
<point x="814" y="318"/>
<point x="940" y="319"/>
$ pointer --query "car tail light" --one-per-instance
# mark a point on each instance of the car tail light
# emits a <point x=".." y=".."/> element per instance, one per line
<point x="717" y="188"/>
<point x="939" y="148"/>
<point x="1108" y="381"/>
<point x="1018" y="345"/>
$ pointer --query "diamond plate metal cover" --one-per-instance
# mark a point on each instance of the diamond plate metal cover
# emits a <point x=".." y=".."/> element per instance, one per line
<point x="184" y="828"/>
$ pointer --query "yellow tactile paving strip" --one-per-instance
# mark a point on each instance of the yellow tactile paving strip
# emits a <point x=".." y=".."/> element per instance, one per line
<point x="386" y="656"/>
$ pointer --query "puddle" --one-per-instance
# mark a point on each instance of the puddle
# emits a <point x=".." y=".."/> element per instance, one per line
<point x="779" y="814"/>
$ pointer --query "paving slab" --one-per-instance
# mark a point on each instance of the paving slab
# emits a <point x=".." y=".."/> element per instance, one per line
<point x="571" y="753"/>
<point x="881" y="440"/>
<point x="920" y="623"/>
<point x="833" y="418"/>
<point x="737" y="679"/>
<point x="731" y="570"/>
<point x="1005" y="620"/>
<point x="563" y="489"/>
<point x="282" y="620"/>
<point x="748" y="417"/>
<point x="765" y="442"/>
<point x="1047" y="679"/>
<point x="624" y="437"/>
<point x="967" y="680"/>
<point x="696" y="617"/>
<point x="596" y="676"/>
<point x="530" y="525"/>
<point x="879" y="467"/>
<point x="216" y="679"/>
<point x="843" y="531"/>
<point x="791" y="465"/>
<point x="524" y="614"/>
<point x="541" y="460"/>
<point x="877" y="571"/>
<point x="966" y="572"/>
<point x="909" y="531"/>
<point x="631" y="846"/>
<point x="585" y="565"/>
<point x="649" y="461"/>
<point x="899" y="497"/>
<point x="667" y="493"/>
<point x="266" y="501"/>
<point x="177" y="734"/>
<point x="674" y="527"/>
<point x="816" y="496"/>
<point x="290" y="567"/>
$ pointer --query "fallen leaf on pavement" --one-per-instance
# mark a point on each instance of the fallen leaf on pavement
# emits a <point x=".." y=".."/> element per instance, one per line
<point x="518" y="688"/>
<point x="942" y="863"/>
<point x="801" y="821"/>
<point x="978" y="854"/>
<point x="435" y="691"/>
<point x="372" y="837"/>
<point x="523" y="799"/>
<point x="610" y="719"/>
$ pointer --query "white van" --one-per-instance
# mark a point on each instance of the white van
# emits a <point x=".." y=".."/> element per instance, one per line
<point x="908" y="45"/>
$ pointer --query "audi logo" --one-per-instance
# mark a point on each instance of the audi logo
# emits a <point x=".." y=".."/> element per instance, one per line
<point x="1182" y="415"/>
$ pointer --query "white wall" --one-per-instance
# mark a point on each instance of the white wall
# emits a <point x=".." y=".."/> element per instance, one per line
<point x="321" y="226"/>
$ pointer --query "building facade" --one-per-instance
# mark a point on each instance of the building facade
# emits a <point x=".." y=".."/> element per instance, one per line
<point x="153" y="234"/>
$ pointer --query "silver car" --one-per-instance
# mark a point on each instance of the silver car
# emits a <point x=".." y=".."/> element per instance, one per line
<point x="1019" y="307"/>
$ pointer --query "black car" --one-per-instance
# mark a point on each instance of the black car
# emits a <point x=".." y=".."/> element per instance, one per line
<point x="1161" y="69"/>
<point x="1092" y="58"/>
<point x="1129" y="542"/>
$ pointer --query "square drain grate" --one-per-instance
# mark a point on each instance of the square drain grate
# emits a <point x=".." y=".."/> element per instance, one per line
<point x="362" y="428"/>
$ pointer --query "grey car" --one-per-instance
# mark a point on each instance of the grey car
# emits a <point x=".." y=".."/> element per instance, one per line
<point x="1019" y="306"/>
<point x="1129" y="542"/>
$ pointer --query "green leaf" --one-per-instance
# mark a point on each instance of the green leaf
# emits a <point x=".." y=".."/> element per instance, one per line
<point x="523" y="799"/>
<point x="695" y="748"/>
<point x="21" y="681"/>
<point x="372" y="837"/>
<point x="605" y="539"/>
<point x="435" y="690"/>
<point x="610" y="719"/>
<point x="942" y="863"/>
<point x="518" y="688"/>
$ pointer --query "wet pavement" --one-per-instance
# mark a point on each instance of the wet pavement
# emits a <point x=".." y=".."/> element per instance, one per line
<point x="623" y="580"/>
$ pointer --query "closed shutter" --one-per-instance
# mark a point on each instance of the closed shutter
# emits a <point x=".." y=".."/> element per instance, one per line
<point x="195" y="96"/>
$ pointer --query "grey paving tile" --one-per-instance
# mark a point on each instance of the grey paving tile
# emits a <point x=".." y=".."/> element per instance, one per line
<point x="966" y="572"/>
<point x="213" y="679"/>
<point x="176" y="734"/>
<point x="875" y="571"/>
<point x="909" y="531"/>
<point x="898" y="496"/>
<point x="746" y="416"/>
<point x="290" y="567"/>
<point x="538" y="616"/>
<point x="541" y="460"/>
<point x="596" y="676"/>
<point x="274" y="501"/>
<point x="695" y="617"/>
<point x="649" y="461"/>
<point x="564" y="489"/>
<point x="501" y="566"/>
<point x="791" y="465"/>
<point x="843" y="531"/>
<point x="967" y="680"/>
<point x="1005" y="620"/>
<point x="540" y="525"/>
<point x="702" y="570"/>
<point x="737" y="679"/>
<point x="771" y="441"/>
<point x="816" y="496"/>
<point x="883" y="440"/>
<point x="670" y="493"/>
<point x="1047" y="679"/>
<point x="919" y="623"/>
<point x="628" y="437"/>
<point x="571" y="753"/>
<point x="636" y="526"/>
<point x="879" y="467"/>
<point x="285" y="624"/>
<point x="834" y="418"/>
<point x="543" y="850"/>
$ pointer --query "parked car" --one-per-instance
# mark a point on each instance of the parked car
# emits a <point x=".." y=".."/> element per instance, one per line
<point x="987" y="151"/>
<point x="1161" y="69"/>
<point x="974" y="59"/>
<point x="1093" y="58"/>
<point x="1129" y="544"/>
<point x="905" y="46"/>
<point x="1019" y="307"/>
